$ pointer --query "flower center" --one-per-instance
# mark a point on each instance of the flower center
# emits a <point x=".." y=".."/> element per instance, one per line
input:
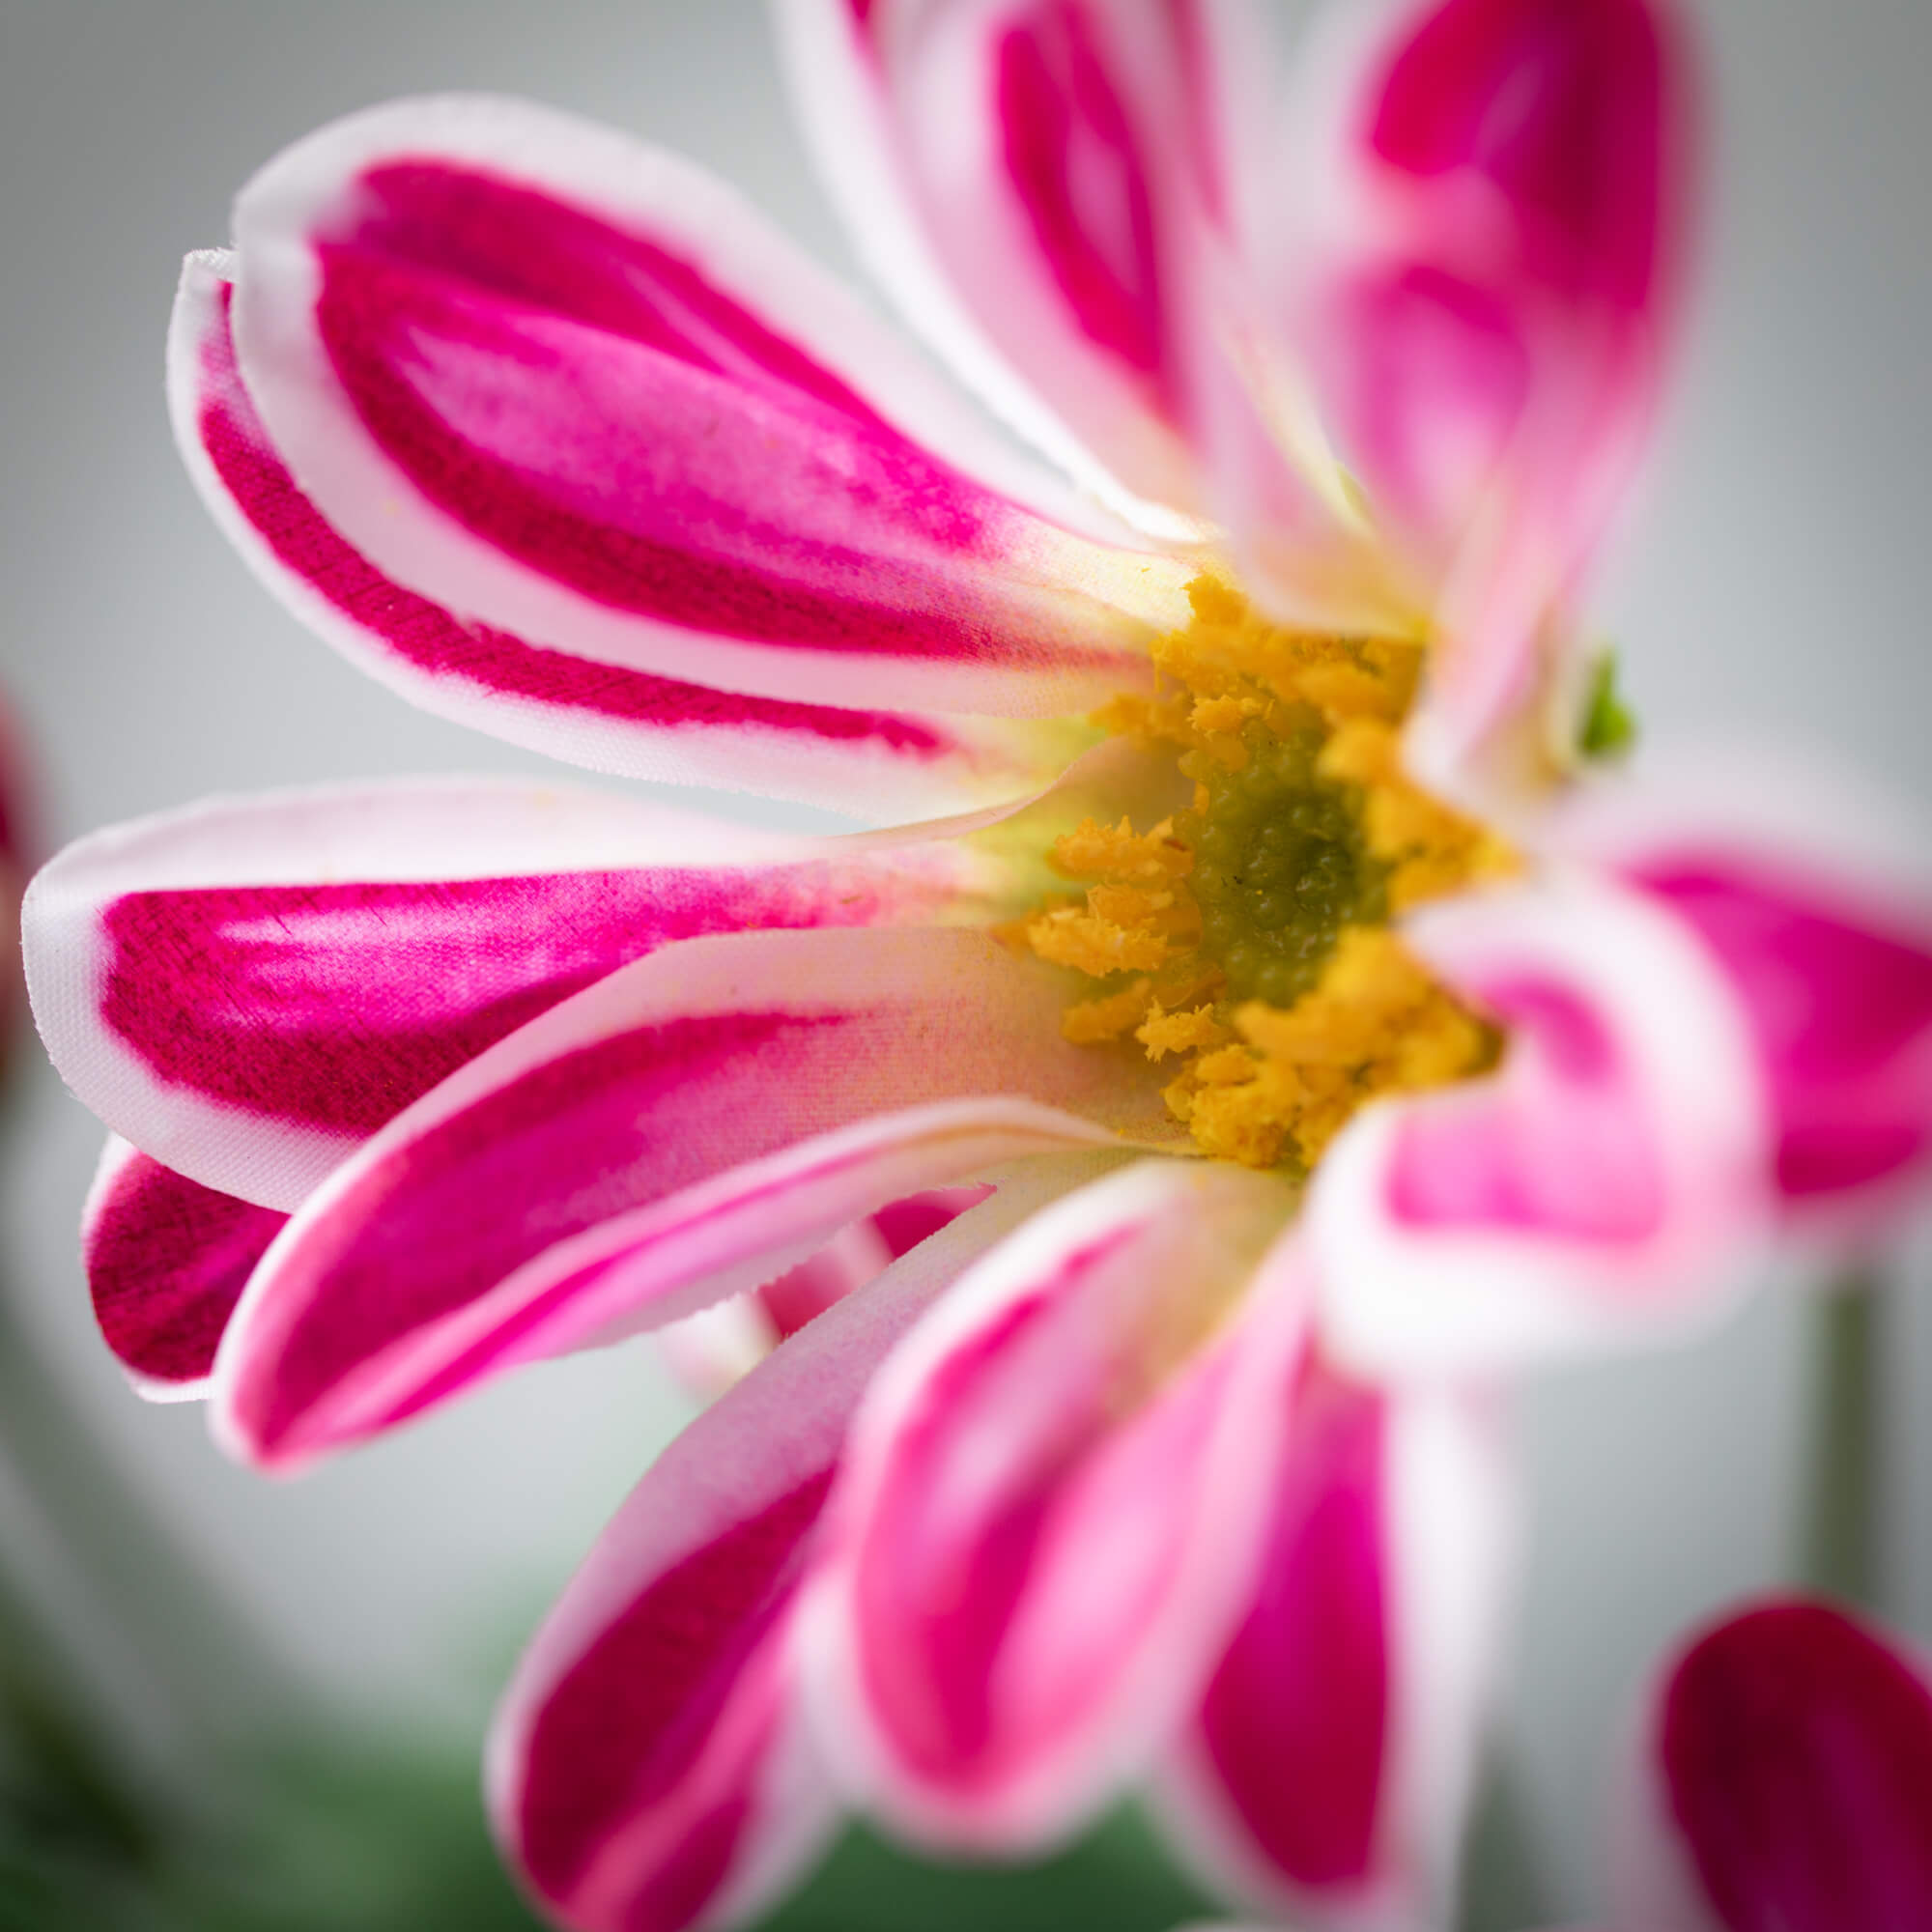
<point x="1247" y="935"/>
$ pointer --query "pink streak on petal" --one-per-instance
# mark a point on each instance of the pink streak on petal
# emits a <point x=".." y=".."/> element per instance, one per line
<point x="1842" y="1015"/>
<point x="1565" y="1150"/>
<point x="1797" y="1752"/>
<point x="904" y="1224"/>
<point x="166" y="1262"/>
<point x="1295" y="1719"/>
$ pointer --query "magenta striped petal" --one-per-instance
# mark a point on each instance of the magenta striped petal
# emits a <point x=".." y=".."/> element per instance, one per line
<point x="881" y="764"/>
<point x="1786" y="1783"/>
<point x="1039" y="184"/>
<point x="1048" y="1512"/>
<point x="647" y="1768"/>
<point x="1607" y="1181"/>
<point x="573" y="389"/>
<point x="683" y="1130"/>
<point x="247" y="989"/>
<point x="1326" y="1776"/>
<point x="1482" y="269"/>
<point x="166" y="1261"/>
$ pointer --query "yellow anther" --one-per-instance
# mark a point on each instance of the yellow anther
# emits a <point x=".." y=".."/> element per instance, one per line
<point x="1195" y="1030"/>
<point x="1112" y="1016"/>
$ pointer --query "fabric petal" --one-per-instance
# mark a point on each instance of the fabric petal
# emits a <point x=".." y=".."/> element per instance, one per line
<point x="876" y="764"/>
<point x="1606" y="1183"/>
<point x="573" y="389"/>
<point x="248" y="988"/>
<point x="1326" y="1776"/>
<point x="1816" y="904"/>
<point x="1481" y="270"/>
<point x="647" y="1767"/>
<point x="1784" y="1783"/>
<point x="685" y="1129"/>
<point x="1048" y="1512"/>
<point x="1041" y="184"/>
<point x="166" y="1261"/>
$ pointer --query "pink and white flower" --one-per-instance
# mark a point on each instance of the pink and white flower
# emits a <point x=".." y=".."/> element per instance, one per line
<point x="418" y="1083"/>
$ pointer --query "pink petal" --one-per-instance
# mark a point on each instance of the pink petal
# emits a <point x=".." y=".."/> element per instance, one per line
<point x="573" y="389"/>
<point x="1048" y="1509"/>
<point x="646" y="1767"/>
<point x="1038" y="184"/>
<point x="247" y="989"/>
<point x="1604" y="1182"/>
<point x="685" y="1129"/>
<point x="166" y="1261"/>
<point x="1482" y="264"/>
<point x="883" y="764"/>
<point x="1817" y="905"/>
<point x="1327" y="1774"/>
<point x="1787" y="1785"/>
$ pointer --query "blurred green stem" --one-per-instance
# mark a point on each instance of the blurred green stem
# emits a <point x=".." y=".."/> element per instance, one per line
<point x="1839" y="1554"/>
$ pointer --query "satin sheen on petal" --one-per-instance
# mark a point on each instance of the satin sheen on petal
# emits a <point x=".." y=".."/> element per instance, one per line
<point x="573" y="389"/>
<point x="686" y="1128"/>
<point x="166" y="1259"/>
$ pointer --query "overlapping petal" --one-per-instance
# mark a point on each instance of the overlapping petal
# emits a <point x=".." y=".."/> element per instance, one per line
<point x="1046" y="1517"/>
<point x="1606" y="1183"/>
<point x="248" y="988"/>
<point x="1327" y="1773"/>
<point x="571" y="389"/>
<point x="685" y="1129"/>
<point x="648" y="1767"/>
<point x="1783" y="1781"/>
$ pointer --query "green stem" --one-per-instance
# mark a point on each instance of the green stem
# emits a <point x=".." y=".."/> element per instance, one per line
<point x="1502" y="1880"/>
<point x="1839" y="1554"/>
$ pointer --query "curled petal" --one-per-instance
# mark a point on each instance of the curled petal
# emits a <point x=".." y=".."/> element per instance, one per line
<point x="884" y="764"/>
<point x="1048" y="1509"/>
<point x="1328" y="1774"/>
<point x="647" y="1767"/>
<point x="685" y="1129"/>
<point x="1039" y="182"/>
<point x="1482" y="273"/>
<point x="1784" y="1783"/>
<point x="573" y="389"/>
<point x="248" y="988"/>
<point x="1604" y="1182"/>
<point x="166" y="1261"/>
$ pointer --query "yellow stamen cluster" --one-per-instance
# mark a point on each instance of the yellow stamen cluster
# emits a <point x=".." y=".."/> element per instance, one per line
<point x="1245" y="935"/>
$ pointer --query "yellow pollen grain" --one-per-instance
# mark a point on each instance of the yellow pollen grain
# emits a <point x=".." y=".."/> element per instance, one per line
<point x="1117" y="852"/>
<point x="1195" y="1030"/>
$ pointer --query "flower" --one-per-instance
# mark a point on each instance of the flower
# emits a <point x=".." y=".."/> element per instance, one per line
<point x="1148" y="1464"/>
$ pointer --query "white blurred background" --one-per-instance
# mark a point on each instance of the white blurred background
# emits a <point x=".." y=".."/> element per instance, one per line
<point x="1776" y="576"/>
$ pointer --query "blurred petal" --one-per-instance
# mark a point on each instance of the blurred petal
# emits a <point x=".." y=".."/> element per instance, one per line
<point x="573" y="388"/>
<point x="685" y="1129"/>
<point x="1037" y="181"/>
<point x="1048" y="1510"/>
<point x="1606" y="1183"/>
<point x="248" y="988"/>
<point x="1786" y="1783"/>
<point x="1328" y="1774"/>
<point x="166" y="1259"/>
<point x="882" y="764"/>
<point x="1482" y="272"/>
<point x="647" y="1767"/>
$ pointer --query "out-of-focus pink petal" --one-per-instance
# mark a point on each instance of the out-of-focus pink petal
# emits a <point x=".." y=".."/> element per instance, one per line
<point x="1606" y="1181"/>
<point x="881" y="764"/>
<point x="1816" y="902"/>
<point x="1042" y="183"/>
<point x="647" y="1767"/>
<point x="1327" y="1774"/>
<point x="573" y="389"/>
<point x="1049" y="1509"/>
<point x="166" y="1261"/>
<point x="1482" y="268"/>
<point x="247" y="989"/>
<point x="1784" y="1783"/>
<point x="685" y="1129"/>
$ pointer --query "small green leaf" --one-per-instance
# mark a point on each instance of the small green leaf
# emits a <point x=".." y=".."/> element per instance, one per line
<point x="1610" y="725"/>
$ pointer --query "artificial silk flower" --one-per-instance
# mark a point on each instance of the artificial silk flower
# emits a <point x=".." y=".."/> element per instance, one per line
<point x="1271" y="880"/>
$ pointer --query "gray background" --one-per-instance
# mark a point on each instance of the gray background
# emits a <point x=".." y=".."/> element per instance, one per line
<point x="1776" y="576"/>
